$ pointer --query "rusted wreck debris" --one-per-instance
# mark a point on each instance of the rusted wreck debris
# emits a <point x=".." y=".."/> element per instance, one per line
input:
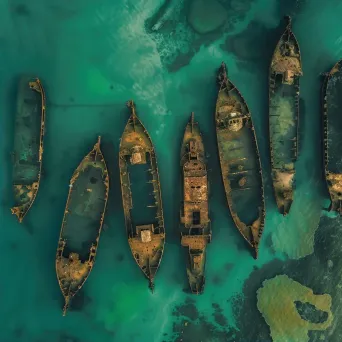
<point x="240" y="161"/>
<point x="285" y="71"/>
<point x="82" y="223"/>
<point x="195" y="222"/>
<point x="146" y="239"/>
<point x="28" y="144"/>
<point x="332" y="128"/>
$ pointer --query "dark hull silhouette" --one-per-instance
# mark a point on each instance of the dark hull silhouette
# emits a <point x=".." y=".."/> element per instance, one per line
<point x="332" y="134"/>
<point x="146" y="239"/>
<point x="240" y="161"/>
<point x="82" y="223"/>
<point x="28" y="144"/>
<point x="195" y="222"/>
<point x="285" y="71"/>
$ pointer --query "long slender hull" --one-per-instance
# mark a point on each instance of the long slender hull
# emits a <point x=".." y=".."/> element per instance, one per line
<point x="195" y="222"/>
<point x="82" y="223"/>
<point x="28" y="144"/>
<point x="285" y="71"/>
<point x="332" y="128"/>
<point x="240" y="161"/>
<point x="146" y="236"/>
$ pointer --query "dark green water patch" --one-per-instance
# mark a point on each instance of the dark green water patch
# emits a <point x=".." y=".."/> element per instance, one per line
<point x="310" y="313"/>
<point x="180" y="29"/>
<point x="219" y="316"/>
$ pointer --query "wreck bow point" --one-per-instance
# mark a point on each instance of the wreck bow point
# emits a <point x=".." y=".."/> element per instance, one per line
<point x="195" y="222"/>
<point x="285" y="72"/>
<point x="146" y="236"/>
<point x="82" y="223"/>
<point x="28" y="144"/>
<point x="332" y="142"/>
<point x="240" y="161"/>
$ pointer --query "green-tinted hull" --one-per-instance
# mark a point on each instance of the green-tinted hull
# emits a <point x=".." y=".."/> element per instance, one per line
<point x="240" y="161"/>
<point x="82" y="223"/>
<point x="285" y="72"/>
<point x="28" y="144"/>
<point x="332" y="128"/>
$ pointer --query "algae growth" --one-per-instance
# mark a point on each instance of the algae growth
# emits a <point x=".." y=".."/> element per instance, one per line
<point x="278" y="300"/>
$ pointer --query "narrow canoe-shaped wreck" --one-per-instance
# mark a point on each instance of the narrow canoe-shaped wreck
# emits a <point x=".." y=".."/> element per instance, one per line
<point x="82" y="223"/>
<point x="285" y="71"/>
<point x="28" y="144"/>
<point x="332" y="126"/>
<point x="240" y="161"/>
<point x="195" y="222"/>
<point x="140" y="185"/>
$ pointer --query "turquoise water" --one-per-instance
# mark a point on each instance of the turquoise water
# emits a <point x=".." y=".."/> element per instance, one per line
<point x="94" y="56"/>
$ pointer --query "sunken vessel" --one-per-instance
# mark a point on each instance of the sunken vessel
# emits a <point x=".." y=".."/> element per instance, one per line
<point x="332" y="128"/>
<point x="195" y="222"/>
<point x="82" y="223"/>
<point x="284" y="74"/>
<point x="140" y="185"/>
<point x="240" y="161"/>
<point x="27" y="153"/>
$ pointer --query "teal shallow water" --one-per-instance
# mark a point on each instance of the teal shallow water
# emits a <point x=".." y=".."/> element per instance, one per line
<point x="93" y="57"/>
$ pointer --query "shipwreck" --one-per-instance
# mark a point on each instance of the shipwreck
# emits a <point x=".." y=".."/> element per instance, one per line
<point x="27" y="154"/>
<point x="240" y="161"/>
<point x="144" y="220"/>
<point x="82" y="223"/>
<point x="285" y="71"/>
<point x="332" y="137"/>
<point x="195" y="222"/>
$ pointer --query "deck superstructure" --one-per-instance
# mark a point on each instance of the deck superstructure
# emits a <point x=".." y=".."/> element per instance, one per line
<point x="195" y="221"/>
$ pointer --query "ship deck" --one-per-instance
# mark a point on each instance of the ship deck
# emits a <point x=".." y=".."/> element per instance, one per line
<point x="334" y="122"/>
<point x="28" y="114"/>
<point x="86" y="205"/>
<point x="283" y="125"/>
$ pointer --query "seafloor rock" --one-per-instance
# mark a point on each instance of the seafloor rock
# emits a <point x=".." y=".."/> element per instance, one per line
<point x="277" y="303"/>
<point x="206" y="16"/>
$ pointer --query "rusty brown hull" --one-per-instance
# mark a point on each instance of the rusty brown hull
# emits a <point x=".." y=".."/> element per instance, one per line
<point x="146" y="234"/>
<point x="285" y="71"/>
<point x="240" y="161"/>
<point x="195" y="222"/>
<point x="332" y="135"/>
<point x="82" y="223"/>
<point x="28" y="144"/>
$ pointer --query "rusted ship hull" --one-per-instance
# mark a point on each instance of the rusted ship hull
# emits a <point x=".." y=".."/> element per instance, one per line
<point x="28" y="144"/>
<point x="332" y="128"/>
<point x="82" y="223"/>
<point x="240" y="161"/>
<point x="146" y="235"/>
<point x="195" y="222"/>
<point x="285" y="71"/>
